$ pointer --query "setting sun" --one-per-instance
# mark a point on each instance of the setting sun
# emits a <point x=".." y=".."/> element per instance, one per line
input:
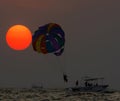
<point x="18" y="37"/>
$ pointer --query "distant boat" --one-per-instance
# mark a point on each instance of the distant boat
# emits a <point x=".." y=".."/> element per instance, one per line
<point x="37" y="87"/>
<point x="90" y="85"/>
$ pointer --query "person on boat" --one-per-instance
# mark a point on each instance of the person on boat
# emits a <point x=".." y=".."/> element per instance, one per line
<point x="65" y="77"/>
<point x="86" y="84"/>
<point x="77" y="83"/>
<point x="96" y="84"/>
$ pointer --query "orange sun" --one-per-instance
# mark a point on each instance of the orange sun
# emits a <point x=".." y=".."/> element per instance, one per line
<point x="18" y="37"/>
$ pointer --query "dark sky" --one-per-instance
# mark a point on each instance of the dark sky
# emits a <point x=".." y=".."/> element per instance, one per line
<point x="92" y="29"/>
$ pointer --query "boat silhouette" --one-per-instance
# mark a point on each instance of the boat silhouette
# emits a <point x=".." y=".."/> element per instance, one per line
<point x="90" y="85"/>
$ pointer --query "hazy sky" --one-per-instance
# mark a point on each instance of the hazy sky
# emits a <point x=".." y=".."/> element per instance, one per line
<point x="92" y="31"/>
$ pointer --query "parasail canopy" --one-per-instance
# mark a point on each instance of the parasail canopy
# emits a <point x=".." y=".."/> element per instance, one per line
<point x="49" y="38"/>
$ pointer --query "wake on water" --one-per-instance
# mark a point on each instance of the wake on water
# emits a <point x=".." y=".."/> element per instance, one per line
<point x="38" y="94"/>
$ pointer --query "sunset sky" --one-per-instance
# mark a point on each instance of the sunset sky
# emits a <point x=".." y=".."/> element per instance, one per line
<point x="92" y="31"/>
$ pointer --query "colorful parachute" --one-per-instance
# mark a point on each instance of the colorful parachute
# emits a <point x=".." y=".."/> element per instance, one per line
<point x="49" y="38"/>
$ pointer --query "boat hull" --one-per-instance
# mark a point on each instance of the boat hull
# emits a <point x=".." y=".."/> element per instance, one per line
<point x="89" y="89"/>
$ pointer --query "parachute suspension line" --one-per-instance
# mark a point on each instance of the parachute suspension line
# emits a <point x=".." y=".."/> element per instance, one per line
<point x="65" y="72"/>
<point x="59" y="64"/>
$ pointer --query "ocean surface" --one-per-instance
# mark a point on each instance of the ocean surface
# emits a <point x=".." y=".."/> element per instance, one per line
<point x="37" y="94"/>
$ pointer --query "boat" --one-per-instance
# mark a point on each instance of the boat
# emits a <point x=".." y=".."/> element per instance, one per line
<point x="90" y="85"/>
<point x="37" y="87"/>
